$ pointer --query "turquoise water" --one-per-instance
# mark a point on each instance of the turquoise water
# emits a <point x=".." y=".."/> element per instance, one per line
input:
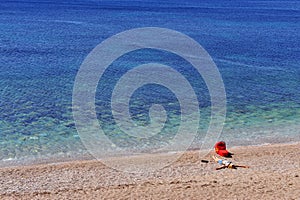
<point x="256" y="46"/>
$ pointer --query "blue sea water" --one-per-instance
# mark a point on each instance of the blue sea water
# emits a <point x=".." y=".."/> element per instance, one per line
<point x="255" y="44"/>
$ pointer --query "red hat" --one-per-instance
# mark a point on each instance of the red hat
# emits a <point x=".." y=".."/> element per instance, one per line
<point x="220" y="148"/>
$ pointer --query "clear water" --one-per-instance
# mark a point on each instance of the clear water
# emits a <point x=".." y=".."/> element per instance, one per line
<point x="255" y="44"/>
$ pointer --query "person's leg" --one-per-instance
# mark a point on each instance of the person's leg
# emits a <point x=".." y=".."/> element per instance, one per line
<point x="215" y="158"/>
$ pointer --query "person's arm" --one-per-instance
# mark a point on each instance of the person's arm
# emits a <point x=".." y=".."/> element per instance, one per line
<point x="221" y="167"/>
<point x="242" y="166"/>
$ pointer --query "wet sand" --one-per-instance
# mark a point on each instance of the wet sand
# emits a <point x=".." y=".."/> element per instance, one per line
<point x="273" y="174"/>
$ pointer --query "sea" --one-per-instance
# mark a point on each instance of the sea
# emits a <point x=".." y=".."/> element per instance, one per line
<point x="254" y="44"/>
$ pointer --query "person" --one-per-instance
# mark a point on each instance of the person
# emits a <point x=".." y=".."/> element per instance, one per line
<point x="226" y="164"/>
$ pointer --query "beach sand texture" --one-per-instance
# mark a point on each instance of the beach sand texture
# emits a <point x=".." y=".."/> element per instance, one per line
<point x="274" y="174"/>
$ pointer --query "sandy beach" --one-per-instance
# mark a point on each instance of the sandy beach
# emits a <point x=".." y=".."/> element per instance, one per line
<point x="273" y="174"/>
<point x="147" y="85"/>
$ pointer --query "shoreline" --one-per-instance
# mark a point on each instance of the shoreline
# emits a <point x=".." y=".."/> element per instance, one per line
<point x="233" y="137"/>
<point x="70" y="157"/>
<point x="73" y="157"/>
<point x="274" y="173"/>
<point x="35" y="149"/>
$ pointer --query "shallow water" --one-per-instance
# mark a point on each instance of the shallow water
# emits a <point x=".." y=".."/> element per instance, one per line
<point x="256" y="46"/>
